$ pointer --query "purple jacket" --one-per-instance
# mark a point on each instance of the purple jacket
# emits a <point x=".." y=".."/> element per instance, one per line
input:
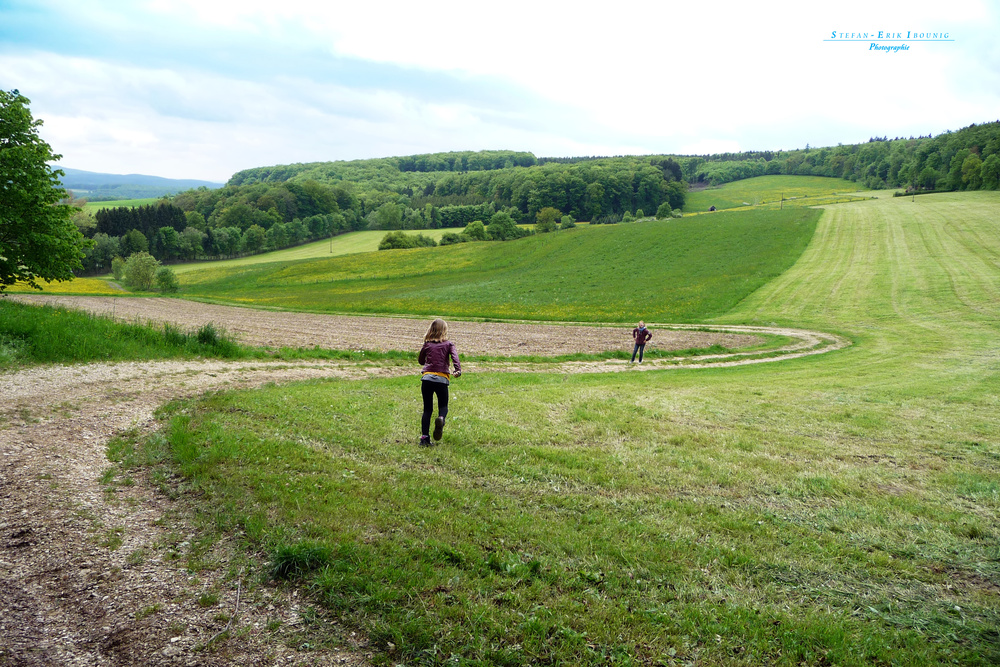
<point x="641" y="335"/>
<point x="434" y="357"/>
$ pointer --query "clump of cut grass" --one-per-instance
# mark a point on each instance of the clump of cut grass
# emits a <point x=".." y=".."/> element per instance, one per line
<point x="206" y="600"/>
<point x="148" y="611"/>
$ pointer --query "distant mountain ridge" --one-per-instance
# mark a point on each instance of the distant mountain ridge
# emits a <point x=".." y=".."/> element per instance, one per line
<point x="97" y="186"/>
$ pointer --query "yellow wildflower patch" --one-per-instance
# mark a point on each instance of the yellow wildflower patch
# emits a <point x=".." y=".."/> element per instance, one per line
<point x="89" y="286"/>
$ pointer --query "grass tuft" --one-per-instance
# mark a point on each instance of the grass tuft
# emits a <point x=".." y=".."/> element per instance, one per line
<point x="293" y="561"/>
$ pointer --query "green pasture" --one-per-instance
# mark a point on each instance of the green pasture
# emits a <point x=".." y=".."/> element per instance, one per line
<point x="664" y="271"/>
<point x="768" y="191"/>
<point x="95" y="206"/>
<point x="842" y="509"/>
<point x="344" y="244"/>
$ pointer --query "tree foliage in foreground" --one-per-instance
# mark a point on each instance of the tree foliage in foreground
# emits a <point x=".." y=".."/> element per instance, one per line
<point x="38" y="240"/>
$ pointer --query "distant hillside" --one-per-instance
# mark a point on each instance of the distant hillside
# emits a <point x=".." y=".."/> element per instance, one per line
<point x="95" y="186"/>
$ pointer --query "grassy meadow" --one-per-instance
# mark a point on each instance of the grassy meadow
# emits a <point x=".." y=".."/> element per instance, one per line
<point x="842" y="509"/>
<point x="344" y="244"/>
<point x="768" y="191"/>
<point x="95" y="206"/>
<point x="664" y="271"/>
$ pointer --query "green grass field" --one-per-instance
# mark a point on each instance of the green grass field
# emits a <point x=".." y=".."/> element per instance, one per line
<point x="664" y="271"/>
<point x="345" y="244"/>
<point x="95" y="206"/>
<point x="842" y="509"/>
<point x="768" y="191"/>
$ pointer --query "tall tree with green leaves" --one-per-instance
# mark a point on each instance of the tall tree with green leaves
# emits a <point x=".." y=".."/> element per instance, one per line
<point x="38" y="240"/>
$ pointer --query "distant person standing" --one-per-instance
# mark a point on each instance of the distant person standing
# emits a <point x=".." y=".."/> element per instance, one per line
<point x="641" y="335"/>
<point x="435" y="378"/>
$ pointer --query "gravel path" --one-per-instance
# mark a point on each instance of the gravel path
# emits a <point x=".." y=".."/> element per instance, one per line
<point x="67" y="597"/>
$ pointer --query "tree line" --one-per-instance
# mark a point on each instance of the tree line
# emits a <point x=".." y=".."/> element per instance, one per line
<point x="968" y="159"/>
<point x="509" y="181"/>
<point x="268" y="208"/>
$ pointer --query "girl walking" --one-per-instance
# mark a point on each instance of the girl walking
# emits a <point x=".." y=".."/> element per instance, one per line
<point x="435" y="355"/>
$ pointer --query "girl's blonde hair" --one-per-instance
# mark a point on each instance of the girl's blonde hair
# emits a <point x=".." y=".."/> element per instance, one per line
<point x="437" y="331"/>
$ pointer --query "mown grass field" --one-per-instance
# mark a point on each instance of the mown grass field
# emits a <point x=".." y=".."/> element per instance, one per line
<point x="836" y="510"/>
<point x="768" y="191"/>
<point x="95" y="206"/>
<point x="664" y="271"/>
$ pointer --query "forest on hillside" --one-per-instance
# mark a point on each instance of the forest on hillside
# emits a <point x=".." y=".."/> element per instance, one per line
<point x="267" y="208"/>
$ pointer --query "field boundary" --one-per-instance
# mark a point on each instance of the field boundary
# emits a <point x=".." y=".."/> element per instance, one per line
<point x="497" y="340"/>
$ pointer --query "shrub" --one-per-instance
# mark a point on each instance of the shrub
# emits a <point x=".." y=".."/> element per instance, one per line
<point x="451" y="238"/>
<point x="628" y="217"/>
<point x="567" y="222"/>
<point x="639" y="215"/>
<point x="166" y="280"/>
<point x="676" y="213"/>
<point x="118" y="268"/>
<point x="475" y="230"/>
<point x="140" y="270"/>
<point x="401" y="240"/>
<point x="664" y="211"/>
<point x="547" y="219"/>
<point x="502" y="228"/>
<point x="610" y="218"/>
<point x="545" y="227"/>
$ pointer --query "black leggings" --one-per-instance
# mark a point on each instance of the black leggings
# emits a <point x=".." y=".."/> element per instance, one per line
<point x="427" y="389"/>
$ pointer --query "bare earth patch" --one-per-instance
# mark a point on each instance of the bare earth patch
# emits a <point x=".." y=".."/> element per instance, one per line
<point x="92" y="577"/>
<point x="89" y="577"/>
<point x="288" y="329"/>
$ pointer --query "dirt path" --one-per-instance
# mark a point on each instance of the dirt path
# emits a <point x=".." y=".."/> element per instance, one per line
<point x="288" y="329"/>
<point x="66" y="596"/>
<point x="89" y="577"/>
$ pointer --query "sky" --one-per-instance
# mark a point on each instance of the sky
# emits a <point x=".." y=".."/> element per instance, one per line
<point x="203" y="88"/>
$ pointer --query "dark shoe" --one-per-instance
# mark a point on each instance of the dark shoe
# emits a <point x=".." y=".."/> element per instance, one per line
<point x="438" y="427"/>
<point x="425" y="441"/>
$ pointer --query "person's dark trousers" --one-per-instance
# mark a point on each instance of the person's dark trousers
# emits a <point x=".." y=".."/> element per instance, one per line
<point x="639" y="349"/>
<point x="427" y="390"/>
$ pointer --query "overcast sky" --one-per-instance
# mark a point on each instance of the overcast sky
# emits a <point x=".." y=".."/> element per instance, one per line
<point x="204" y="88"/>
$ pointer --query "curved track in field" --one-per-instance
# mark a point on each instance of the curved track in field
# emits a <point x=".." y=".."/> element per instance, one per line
<point x="277" y="329"/>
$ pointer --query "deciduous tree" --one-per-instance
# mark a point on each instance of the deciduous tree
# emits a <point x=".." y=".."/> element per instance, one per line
<point x="38" y="240"/>
<point x="547" y="219"/>
<point x="140" y="270"/>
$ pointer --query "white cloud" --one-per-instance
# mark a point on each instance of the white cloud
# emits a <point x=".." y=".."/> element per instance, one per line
<point x="219" y="86"/>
